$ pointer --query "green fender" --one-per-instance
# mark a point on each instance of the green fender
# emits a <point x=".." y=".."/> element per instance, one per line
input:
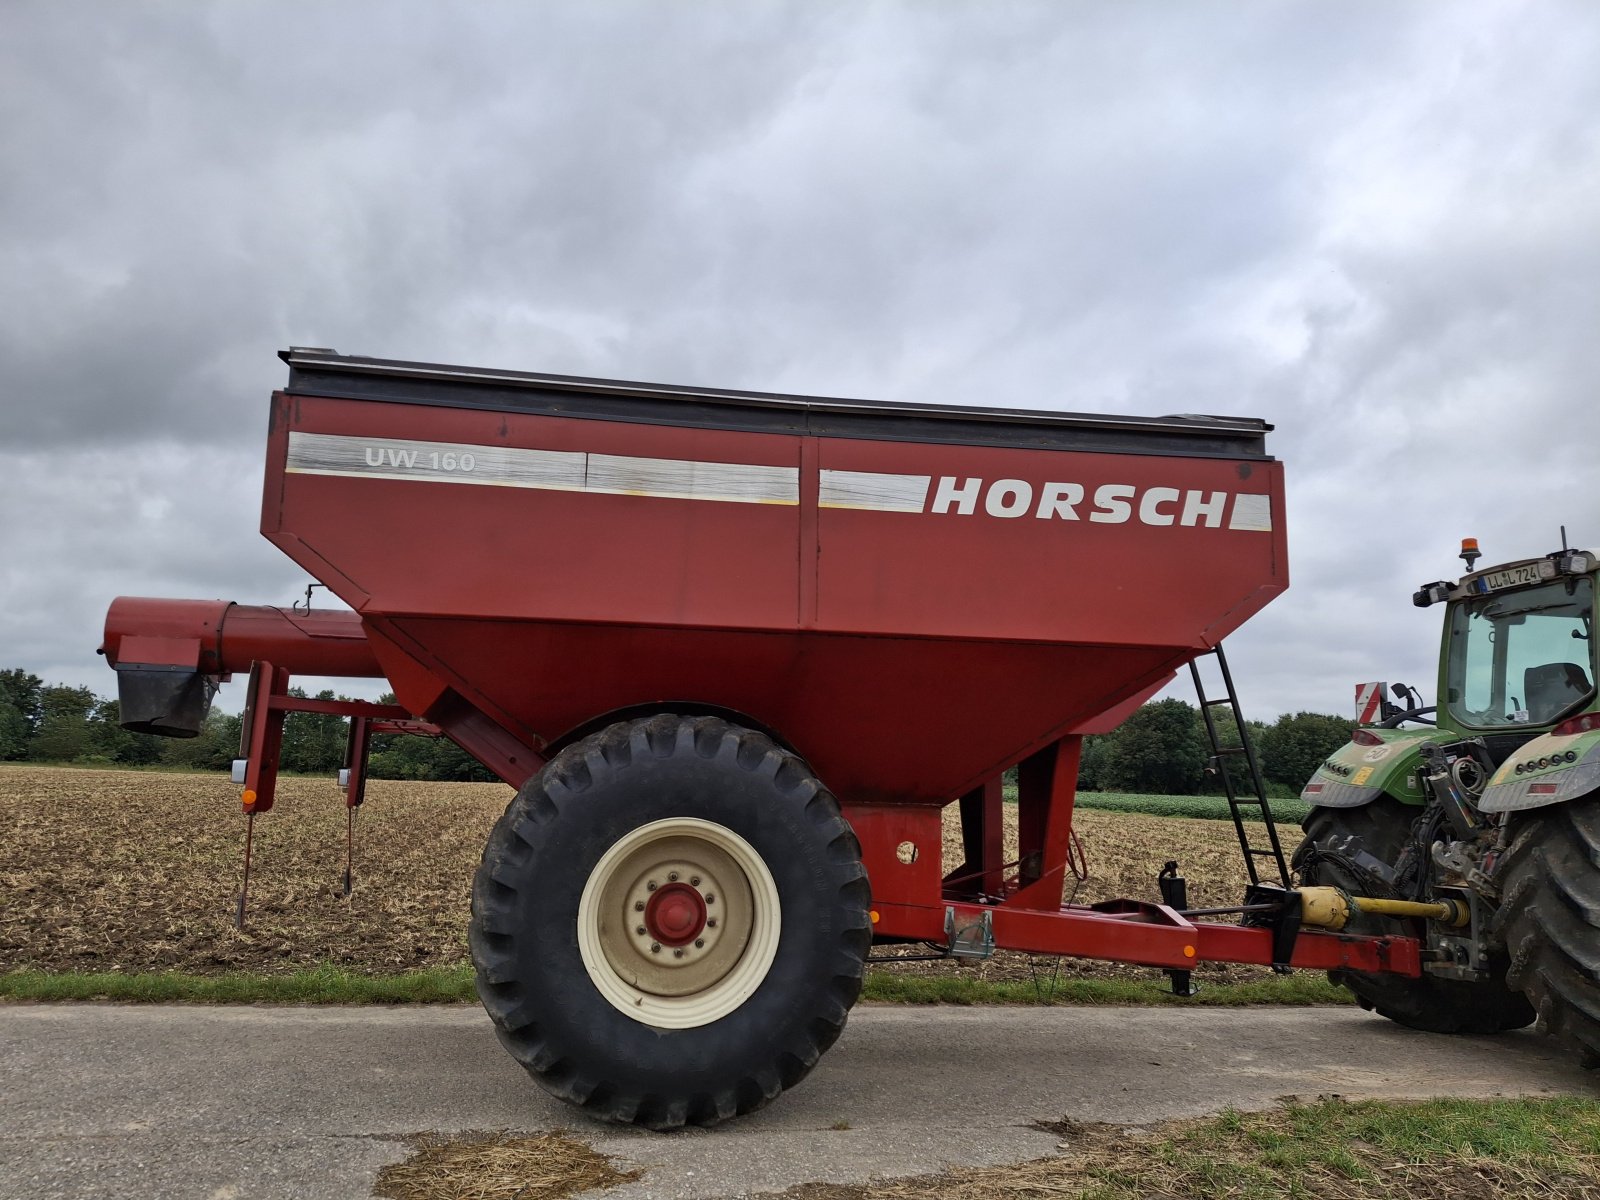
<point x="1551" y="769"/>
<point x="1354" y="775"/>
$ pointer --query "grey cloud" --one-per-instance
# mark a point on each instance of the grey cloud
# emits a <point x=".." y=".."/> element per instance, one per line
<point x="1373" y="224"/>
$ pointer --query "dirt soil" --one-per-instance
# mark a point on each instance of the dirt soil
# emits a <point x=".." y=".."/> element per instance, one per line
<point x="135" y="871"/>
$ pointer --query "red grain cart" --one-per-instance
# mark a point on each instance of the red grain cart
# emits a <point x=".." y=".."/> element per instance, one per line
<point x="738" y="651"/>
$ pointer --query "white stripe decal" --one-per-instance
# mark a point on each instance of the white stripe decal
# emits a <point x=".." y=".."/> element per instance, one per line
<point x="1251" y="512"/>
<point x="682" y="479"/>
<point x="750" y="483"/>
<point x="871" y="490"/>
<point x="554" y="470"/>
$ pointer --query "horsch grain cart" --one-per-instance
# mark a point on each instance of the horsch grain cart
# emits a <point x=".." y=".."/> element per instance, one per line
<point x="737" y="652"/>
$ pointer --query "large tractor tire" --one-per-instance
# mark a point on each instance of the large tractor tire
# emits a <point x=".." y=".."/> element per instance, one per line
<point x="1429" y="1002"/>
<point x="1549" y="920"/>
<point x="670" y="923"/>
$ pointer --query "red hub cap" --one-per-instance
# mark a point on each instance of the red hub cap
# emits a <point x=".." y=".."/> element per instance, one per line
<point x="675" y="915"/>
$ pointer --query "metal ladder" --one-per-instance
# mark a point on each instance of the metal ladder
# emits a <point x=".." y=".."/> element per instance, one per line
<point x="1237" y="803"/>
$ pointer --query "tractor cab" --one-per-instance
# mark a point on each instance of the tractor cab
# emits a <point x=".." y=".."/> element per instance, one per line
<point x="1518" y="664"/>
<point x="1519" y="648"/>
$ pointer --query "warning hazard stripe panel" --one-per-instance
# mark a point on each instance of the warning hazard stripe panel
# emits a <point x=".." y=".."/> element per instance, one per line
<point x="1369" y="702"/>
<point x="550" y="470"/>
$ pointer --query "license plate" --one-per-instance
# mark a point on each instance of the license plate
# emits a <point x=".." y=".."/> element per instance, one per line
<point x="1513" y="577"/>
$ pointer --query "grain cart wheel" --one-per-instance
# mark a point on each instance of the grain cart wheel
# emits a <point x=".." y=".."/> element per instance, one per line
<point x="1549" y="920"/>
<point x="670" y="922"/>
<point x="1429" y="1003"/>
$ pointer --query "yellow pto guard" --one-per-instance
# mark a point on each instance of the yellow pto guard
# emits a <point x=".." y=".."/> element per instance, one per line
<point x="1330" y="908"/>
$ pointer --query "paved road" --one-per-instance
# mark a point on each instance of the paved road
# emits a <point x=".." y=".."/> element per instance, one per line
<point x="258" y="1103"/>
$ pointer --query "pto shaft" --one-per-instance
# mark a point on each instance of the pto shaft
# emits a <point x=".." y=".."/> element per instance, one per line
<point x="1331" y="908"/>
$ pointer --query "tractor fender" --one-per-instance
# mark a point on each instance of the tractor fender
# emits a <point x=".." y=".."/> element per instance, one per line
<point x="1551" y="769"/>
<point x="1354" y="774"/>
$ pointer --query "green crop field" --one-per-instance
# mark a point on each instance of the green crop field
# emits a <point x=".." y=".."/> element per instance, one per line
<point x="1286" y="811"/>
<point x="1211" y="808"/>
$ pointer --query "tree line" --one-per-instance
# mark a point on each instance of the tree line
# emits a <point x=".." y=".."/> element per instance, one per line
<point x="61" y="724"/>
<point x="1161" y="749"/>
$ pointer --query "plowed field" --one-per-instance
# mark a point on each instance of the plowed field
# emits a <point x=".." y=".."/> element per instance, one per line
<point x="132" y="871"/>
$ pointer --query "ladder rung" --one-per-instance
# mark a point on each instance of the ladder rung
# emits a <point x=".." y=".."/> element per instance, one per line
<point x="1238" y="805"/>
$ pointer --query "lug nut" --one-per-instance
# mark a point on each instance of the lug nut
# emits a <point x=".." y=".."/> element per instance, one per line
<point x="672" y="877"/>
<point x="638" y="906"/>
<point x="651" y="886"/>
<point x="699" y="943"/>
<point x="711" y="897"/>
<point x="694" y="881"/>
<point x="677" y="954"/>
<point x="641" y="931"/>
<point x="655" y="947"/>
<point x="711" y="923"/>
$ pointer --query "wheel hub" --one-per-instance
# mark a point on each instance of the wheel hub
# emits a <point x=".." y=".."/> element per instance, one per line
<point x="679" y="922"/>
<point x="675" y="914"/>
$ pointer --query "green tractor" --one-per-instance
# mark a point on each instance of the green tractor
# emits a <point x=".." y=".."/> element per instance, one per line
<point x="1491" y="802"/>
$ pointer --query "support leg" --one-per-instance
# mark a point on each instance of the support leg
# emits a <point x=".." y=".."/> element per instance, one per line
<point x="983" y="841"/>
<point x="1047" y="783"/>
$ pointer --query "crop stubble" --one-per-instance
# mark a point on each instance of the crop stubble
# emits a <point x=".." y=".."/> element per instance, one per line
<point x="134" y="871"/>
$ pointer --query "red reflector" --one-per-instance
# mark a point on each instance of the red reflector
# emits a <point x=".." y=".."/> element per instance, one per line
<point x="1542" y="789"/>
<point x="1362" y="738"/>
<point x="1313" y="787"/>
<point x="1583" y="724"/>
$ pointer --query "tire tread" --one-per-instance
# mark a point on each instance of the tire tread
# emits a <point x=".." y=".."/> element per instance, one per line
<point x="1549" y="919"/>
<point x="562" y="783"/>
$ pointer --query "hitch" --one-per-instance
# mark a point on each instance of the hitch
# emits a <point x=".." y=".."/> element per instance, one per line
<point x="1280" y="910"/>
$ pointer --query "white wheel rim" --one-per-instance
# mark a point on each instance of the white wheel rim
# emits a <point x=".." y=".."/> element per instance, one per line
<point x="669" y="952"/>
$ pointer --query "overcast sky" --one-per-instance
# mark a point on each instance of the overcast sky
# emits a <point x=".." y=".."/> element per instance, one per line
<point x="1376" y="225"/>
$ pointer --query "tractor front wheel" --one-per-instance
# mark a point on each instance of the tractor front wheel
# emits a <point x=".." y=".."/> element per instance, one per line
<point x="1429" y="1003"/>
<point x="1549" y="920"/>
<point x="670" y="922"/>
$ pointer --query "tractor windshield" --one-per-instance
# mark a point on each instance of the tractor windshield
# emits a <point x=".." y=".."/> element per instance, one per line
<point x="1522" y="658"/>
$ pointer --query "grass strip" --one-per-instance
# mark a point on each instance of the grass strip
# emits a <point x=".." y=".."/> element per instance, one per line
<point x="1523" y="1149"/>
<point x="320" y="985"/>
<point x="453" y="985"/>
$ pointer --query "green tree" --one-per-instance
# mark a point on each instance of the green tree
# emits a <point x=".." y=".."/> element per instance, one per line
<point x="1293" y="746"/>
<point x="64" y="726"/>
<point x="215" y="748"/>
<point x="1092" y="767"/>
<point x="108" y="740"/>
<point x="314" y="743"/>
<point x="21" y="710"/>
<point x="407" y="756"/>
<point x="1235" y="765"/>
<point x="1159" y="750"/>
<point x="14" y="733"/>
